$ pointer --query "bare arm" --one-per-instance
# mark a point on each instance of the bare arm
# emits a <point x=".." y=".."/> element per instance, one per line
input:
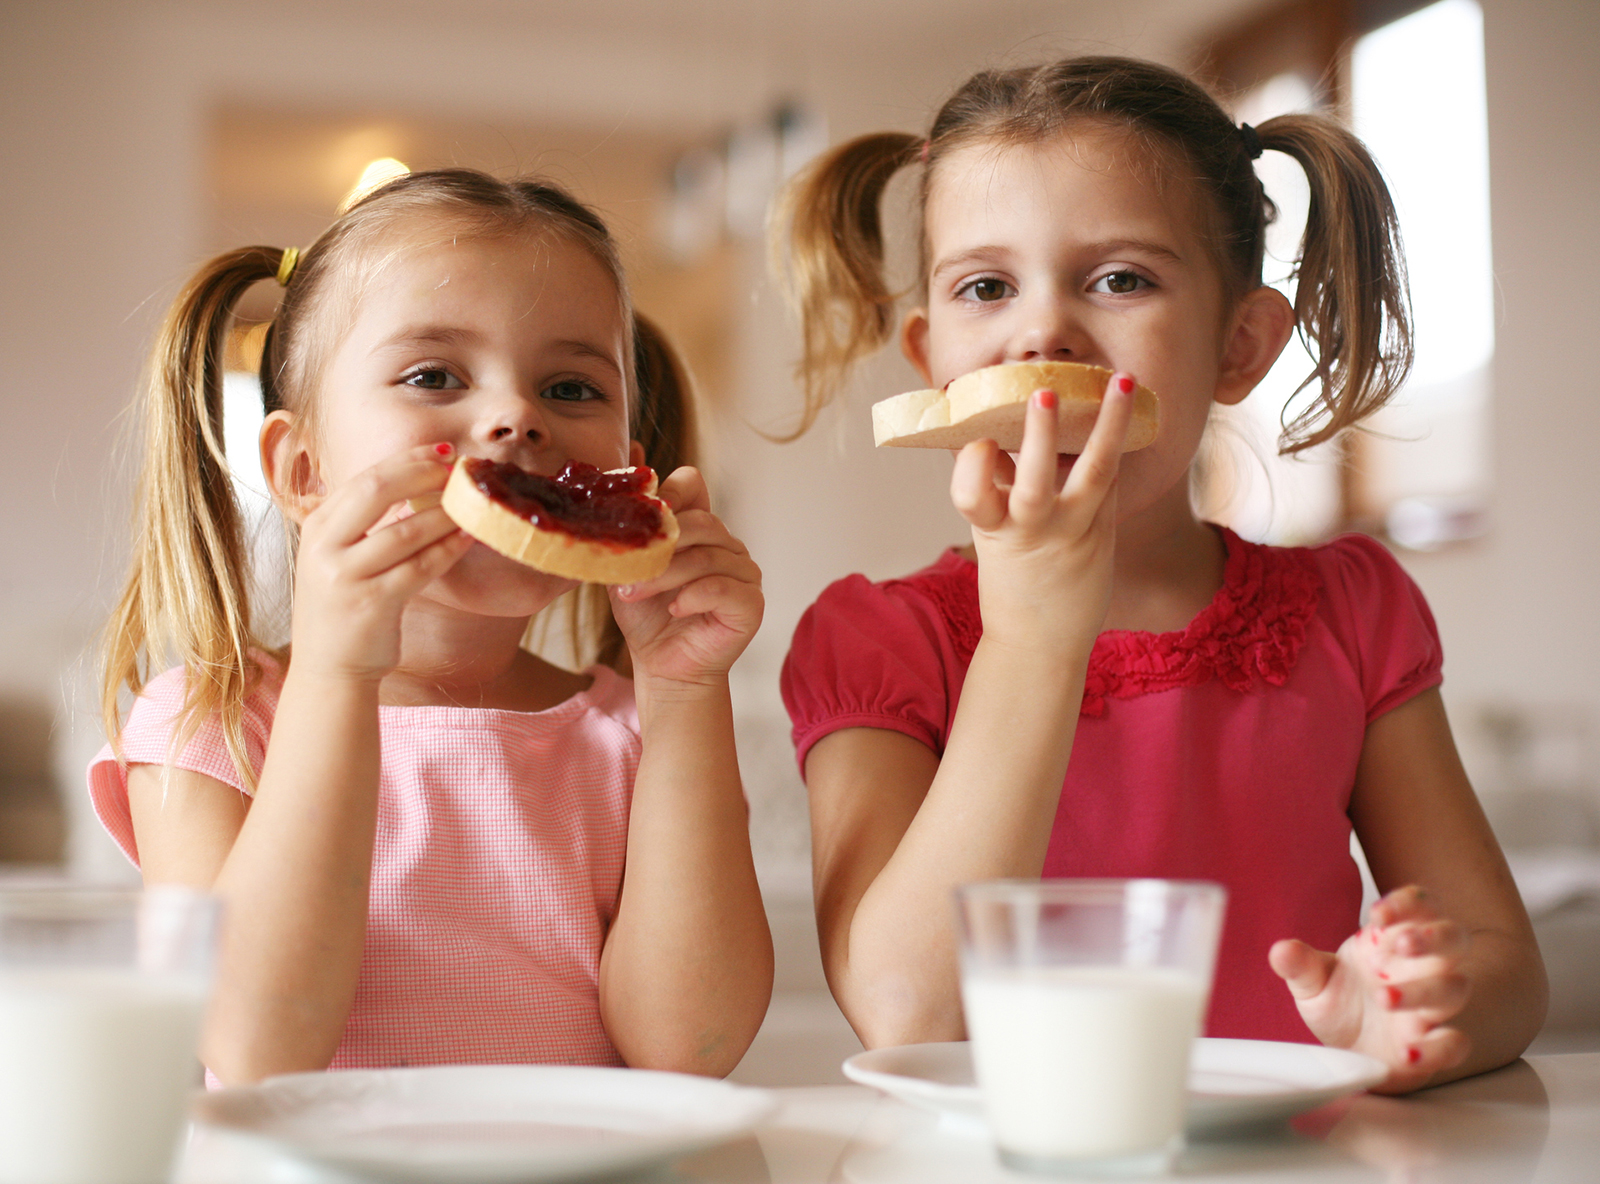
<point x="1447" y="979"/>
<point x="291" y="868"/>
<point x="686" y="972"/>
<point x="895" y="828"/>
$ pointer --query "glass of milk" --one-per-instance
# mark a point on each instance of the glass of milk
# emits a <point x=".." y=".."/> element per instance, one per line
<point x="1083" y="999"/>
<point x="101" y="996"/>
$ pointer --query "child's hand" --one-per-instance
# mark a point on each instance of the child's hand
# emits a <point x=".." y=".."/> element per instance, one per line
<point x="357" y="566"/>
<point x="1389" y="992"/>
<point x="689" y="623"/>
<point x="1044" y="556"/>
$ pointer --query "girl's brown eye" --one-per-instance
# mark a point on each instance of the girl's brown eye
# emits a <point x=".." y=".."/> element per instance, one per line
<point x="988" y="290"/>
<point x="433" y="379"/>
<point x="1120" y="283"/>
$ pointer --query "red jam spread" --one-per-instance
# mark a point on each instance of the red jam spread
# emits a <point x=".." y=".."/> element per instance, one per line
<point x="580" y="500"/>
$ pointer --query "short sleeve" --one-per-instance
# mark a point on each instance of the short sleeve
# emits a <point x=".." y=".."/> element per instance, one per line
<point x="147" y="739"/>
<point x="868" y="655"/>
<point x="1383" y="620"/>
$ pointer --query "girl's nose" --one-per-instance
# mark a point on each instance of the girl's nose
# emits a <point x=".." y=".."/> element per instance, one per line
<point x="1048" y="333"/>
<point x="514" y="420"/>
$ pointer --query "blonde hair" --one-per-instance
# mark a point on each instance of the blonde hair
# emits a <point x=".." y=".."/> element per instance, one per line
<point x="1351" y="304"/>
<point x="187" y="596"/>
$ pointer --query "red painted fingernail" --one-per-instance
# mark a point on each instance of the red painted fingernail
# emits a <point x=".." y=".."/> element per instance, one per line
<point x="1413" y="1055"/>
<point x="1394" y="996"/>
<point x="1383" y="975"/>
<point x="443" y="449"/>
<point x="1045" y="399"/>
<point x="1125" y="384"/>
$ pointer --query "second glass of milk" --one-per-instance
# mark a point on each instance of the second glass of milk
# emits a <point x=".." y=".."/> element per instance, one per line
<point x="1083" y="999"/>
<point x="101" y="998"/>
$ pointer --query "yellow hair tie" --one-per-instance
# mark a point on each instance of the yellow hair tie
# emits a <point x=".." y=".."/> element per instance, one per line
<point x="291" y="256"/>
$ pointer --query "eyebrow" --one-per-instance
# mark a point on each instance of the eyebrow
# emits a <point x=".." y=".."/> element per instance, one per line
<point x="414" y="335"/>
<point x="448" y="335"/>
<point x="585" y="349"/>
<point x="987" y="254"/>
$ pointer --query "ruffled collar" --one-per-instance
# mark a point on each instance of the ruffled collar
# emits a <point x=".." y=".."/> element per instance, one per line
<point x="1251" y="632"/>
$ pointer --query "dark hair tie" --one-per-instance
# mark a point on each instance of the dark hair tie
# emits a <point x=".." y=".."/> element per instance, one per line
<point x="1251" y="139"/>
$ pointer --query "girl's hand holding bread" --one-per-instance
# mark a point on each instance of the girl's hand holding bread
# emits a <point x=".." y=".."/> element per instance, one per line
<point x="690" y="623"/>
<point x="1044" y="546"/>
<point x="355" y="571"/>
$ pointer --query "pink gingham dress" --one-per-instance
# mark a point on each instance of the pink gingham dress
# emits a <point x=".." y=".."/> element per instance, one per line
<point x="496" y="873"/>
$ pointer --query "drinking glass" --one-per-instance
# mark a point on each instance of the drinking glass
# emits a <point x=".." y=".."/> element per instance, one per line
<point x="101" y="997"/>
<point x="1083" y="999"/>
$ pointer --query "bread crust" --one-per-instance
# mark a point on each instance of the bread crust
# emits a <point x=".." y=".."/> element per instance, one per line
<point x="992" y="404"/>
<point x="593" y="561"/>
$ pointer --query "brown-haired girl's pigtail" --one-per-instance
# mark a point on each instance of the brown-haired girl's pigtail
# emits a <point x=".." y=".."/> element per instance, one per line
<point x="835" y="257"/>
<point x="187" y="595"/>
<point x="1351" y="300"/>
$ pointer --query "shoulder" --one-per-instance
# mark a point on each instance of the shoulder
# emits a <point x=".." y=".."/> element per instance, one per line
<point x="1357" y="565"/>
<point x="156" y="721"/>
<point x="155" y="734"/>
<point x="940" y="600"/>
<point x="1381" y="619"/>
<point x="610" y="696"/>
<point x="883" y="655"/>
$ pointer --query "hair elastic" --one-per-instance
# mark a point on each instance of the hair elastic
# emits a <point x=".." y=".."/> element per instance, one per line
<point x="1252" y="140"/>
<point x="922" y="152"/>
<point x="286" y="266"/>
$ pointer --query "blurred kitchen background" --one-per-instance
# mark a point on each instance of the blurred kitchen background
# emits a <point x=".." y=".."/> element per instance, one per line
<point x="139" y="138"/>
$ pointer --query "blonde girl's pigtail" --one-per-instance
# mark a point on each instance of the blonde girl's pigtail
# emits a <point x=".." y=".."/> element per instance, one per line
<point x="1351" y="299"/>
<point x="186" y="597"/>
<point x="830" y="219"/>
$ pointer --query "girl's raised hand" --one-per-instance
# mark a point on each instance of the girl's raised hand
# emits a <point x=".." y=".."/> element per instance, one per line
<point x="689" y="623"/>
<point x="1044" y="546"/>
<point x="1389" y="992"/>
<point x="358" y="564"/>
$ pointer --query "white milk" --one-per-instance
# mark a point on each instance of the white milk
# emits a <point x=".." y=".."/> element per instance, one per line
<point x="95" y="1071"/>
<point x="1083" y="1062"/>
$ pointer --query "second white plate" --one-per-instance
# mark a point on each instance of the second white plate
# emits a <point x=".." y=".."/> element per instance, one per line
<point x="488" y="1124"/>
<point x="1232" y="1083"/>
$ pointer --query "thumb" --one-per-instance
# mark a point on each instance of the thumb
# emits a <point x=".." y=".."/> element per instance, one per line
<point x="1305" y="969"/>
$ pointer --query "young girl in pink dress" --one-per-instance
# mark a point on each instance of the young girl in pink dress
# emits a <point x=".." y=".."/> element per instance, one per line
<point x="1102" y="684"/>
<point x="418" y="828"/>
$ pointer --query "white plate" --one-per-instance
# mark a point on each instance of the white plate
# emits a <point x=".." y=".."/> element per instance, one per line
<point x="489" y="1124"/>
<point x="1232" y="1083"/>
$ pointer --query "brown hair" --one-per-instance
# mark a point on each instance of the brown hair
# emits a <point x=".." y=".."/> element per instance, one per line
<point x="187" y="596"/>
<point x="1351" y="304"/>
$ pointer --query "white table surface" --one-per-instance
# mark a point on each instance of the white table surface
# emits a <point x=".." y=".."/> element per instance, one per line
<point x="1535" y="1120"/>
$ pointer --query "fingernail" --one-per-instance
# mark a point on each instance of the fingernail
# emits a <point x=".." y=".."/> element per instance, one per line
<point x="1393" y="994"/>
<point x="443" y="449"/>
<point x="1045" y="399"/>
<point x="1125" y="385"/>
<point x="1413" y="1055"/>
<point x="625" y="591"/>
<point x="1384" y="975"/>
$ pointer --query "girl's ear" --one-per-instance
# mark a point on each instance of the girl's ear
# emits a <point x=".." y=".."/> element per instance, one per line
<point x="1262" y="323"/>
<point x="291" y="471"/>
<point x="914" y="342"/>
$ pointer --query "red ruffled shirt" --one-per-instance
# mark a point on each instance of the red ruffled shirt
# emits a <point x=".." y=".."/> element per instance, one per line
<point x="1226" y="751"/>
